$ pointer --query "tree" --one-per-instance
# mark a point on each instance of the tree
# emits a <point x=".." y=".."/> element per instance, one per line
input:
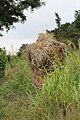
<point x="77" y="19"/>
<point x="21" y="49"/>
<point x="58" y="20"/>
<point x="70" y="31"/>
<point x="12" y="11"/>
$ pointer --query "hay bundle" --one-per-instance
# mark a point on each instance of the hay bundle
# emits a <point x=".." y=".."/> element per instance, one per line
<point x="42" y="54"/>
<point x="43" y="51"/>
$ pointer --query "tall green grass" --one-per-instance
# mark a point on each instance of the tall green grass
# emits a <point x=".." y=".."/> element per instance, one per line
<point x="58" y="98"/>
<point x="16" y="86"/>
<point x="64" y="82"/>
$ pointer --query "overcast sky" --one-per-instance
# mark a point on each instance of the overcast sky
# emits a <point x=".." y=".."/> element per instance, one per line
<point x="38" y="21"/>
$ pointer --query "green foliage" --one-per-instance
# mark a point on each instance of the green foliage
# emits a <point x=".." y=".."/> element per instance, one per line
<point x="69" y="31"/>
<point x="64" y="82"/>
<point x="12" y="11"/>
<point x="21" y="80"/>
<point x="18" y="87"/>
<point x="77" y="19"/>
<point x="3" y="60"/>
<point x="21" y="49"/>
<point x="58" y="98"/>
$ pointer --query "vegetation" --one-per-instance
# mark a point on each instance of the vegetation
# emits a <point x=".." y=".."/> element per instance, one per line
<point x="70" y="31"/>
<point x="21" y="49"/>
<point x="12" y="11"/>
<point x="3" y="61"/>
<point x="58" y="98"/>
<point x="58" y="20"/>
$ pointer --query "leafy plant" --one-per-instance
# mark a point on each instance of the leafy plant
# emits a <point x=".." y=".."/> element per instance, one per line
<point x="3" y="60"/>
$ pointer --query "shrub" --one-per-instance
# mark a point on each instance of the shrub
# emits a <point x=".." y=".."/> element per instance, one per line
<point x="3" y="60"/>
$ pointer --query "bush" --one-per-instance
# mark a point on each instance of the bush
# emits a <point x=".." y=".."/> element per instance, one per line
<point x="3" y="60"/>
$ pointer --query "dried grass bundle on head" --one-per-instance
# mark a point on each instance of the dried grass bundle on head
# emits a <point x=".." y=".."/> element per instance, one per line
<point x="42" y="53"/>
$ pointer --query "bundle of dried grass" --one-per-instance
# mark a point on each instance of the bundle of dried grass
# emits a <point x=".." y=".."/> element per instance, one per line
<point x="42" y="54"/>
<point x="43" y="51"/>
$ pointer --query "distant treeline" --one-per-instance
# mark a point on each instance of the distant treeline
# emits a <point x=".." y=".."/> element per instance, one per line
<point x="70" y="31"/>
